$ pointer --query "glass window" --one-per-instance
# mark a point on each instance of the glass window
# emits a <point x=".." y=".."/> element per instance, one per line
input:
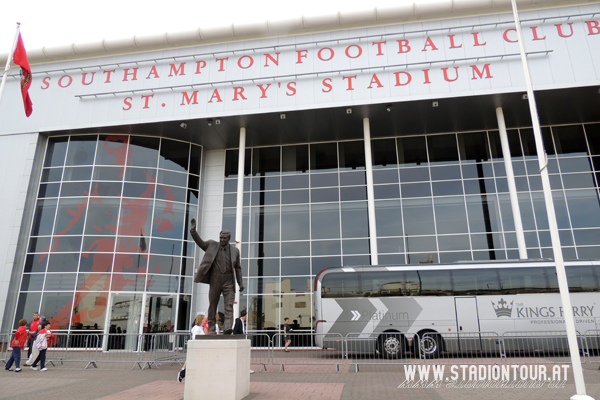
<point x="295" y="249"/>
<point x="294" y="159"/>
<point x="340" y="284"/>
<point x="355" y="220"/>
<point x="165" y="265"/>
<point x="385" y="176"/>
<point x="63" y="262"/>
<point x="354" y="193"/>
<point x="57" y="307"/>
<point x="356" y="247"/>
<point x="266" y="161"/>
<point x="583" y="278"/>
<point x="60" y="282"/>
<point x="473" y="147"/>
<point x="593" y="137"/>
<point x="81" y="150"/>
<point x="325" y="221"/>
<point x="418" y="217"/>
<point x="570" y="140"/>
<point x="421" y="243"/>
<point x="143" y="152"/>
<point x="146" y="175"/>
<point x="52" y="174"/>
<point x="196" y="159"/>
<point x="73" y="189"/>
<point x="442" y="149"/>
<point x="483" y="213"/>
<point x="295" y="182"/>
<point x="263" y="267"/>
<point x="39" y="244"/>
<point x="296" y="285"/>
<point x="44" y="217"/>
<point x="583" y="208"/>
<point x="383" y="153"/>
<point x="28" y="304"/>
<point x="524" y="280"/>
<point x="528" y="140"/>
<point x="295" y="222"/>
<point x="450" y="215"/>
<point x="265" y="224"/>
<point x="412" y="151"/>
<point x="174" y="155"/>
<point x="112" y="150"/>
<point x="86" y="317"/>
<point x="352" y="155"/>
<point x="295" y="266"/>
<point x="77" y="174"/>
<point x="388" y="215"/>
<point x="390" y="245"/>
<point x="265" y="183"/>
<point x="447" y="188"/>
<point x="410" y="190"/>
<point x="108" y="174"/>
<point x="294" y="196"/>
<point x="55" y="152"/>
<point x="323" y="156"/>
<point x="454" y="242"/>
<point x="35" y="263"/>
<point x="414" y="175"/>
<point x="32" y="282"/>
<point x="435" y="283"/>
<point x="382" y="192"/>
<point x="62" y="244"/>
<point x="472" y="282"/>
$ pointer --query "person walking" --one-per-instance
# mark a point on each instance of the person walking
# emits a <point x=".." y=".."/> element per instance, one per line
<point x="17" y="345"/>
<point x="199" y="328"/>
<point x="42" y="344"/>
<point x="239" y="328"/>
<point x="33" y="330"/>
<point x="286" y="331"/>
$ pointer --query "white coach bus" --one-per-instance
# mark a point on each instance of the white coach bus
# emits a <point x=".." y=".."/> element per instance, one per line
<point x="390" y="306"/>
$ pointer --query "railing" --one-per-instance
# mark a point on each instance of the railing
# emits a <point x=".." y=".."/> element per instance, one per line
<point x="306" y="348"/>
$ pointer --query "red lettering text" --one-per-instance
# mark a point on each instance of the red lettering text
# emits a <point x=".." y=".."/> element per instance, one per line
<point x="379" y="50"/>
<point x="83" y="82"/>
<point x="250" y="62"/>
<point x="327" y="84"/>
<point x="430" y="43"/>
<point x="238" y="91"/>
<point x="301" y="54"/>
<point x="199" y="65"/>
<point x="452" y="44"/>
<point x="263" y="91"/>
<point x="349" y="81"/>
<point x="486" y="69"/>
<point x="560" y="31"/>
<point x="403" y="46"/>
<point x="127" y="102"/>
<point x="375" y="79"/>
<point x="45" y="82"/>
<point x="593" y="28"/>
<point x="446" y="74"/>
<point x="476" y="39"/>
<point x="185" y="98"/>
<point x="292" y="89"/>
<point x="222" y="61"/>
<point x="108" y="75"/>
<point x="215" y="95"/>
<point x="270" y="57"/>
<point x="358" y="52"/>
<point x="320" y="54"/>
<point x="60" y="81"/>
<point x="535" y="34"/>
<point x="146" y="97"/>
<point x="505" y="35"/>
<point x="408" y="78"/>
<point x="426" y="74"/>
<point x="154" y="72"/>
<point x="126" y="73"/>
<point x="177" y="71"/>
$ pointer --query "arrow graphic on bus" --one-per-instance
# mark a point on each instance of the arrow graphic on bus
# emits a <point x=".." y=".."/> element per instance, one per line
<point x="355" y="315"/>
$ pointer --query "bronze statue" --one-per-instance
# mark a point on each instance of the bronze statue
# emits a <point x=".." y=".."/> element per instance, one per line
<point x="219" y="267"/>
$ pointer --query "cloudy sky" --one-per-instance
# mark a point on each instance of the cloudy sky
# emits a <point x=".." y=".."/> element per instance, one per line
<point x="62" y="22"/>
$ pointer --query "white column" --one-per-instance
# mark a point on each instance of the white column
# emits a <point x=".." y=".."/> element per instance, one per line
<point x="239" y="210"/>
<point x="370" y="193"/>
<point x="512" y="187"/>
<point x="563" y="286"/>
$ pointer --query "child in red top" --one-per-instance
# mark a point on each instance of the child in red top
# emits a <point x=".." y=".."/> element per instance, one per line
<point x="17" y="344"/>
<point x="48" y="337"/>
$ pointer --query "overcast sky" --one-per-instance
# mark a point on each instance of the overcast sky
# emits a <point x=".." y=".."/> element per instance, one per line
<point x="62" y="22"/>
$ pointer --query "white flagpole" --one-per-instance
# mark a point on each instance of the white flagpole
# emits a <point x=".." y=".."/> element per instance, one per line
<point x="9" y="60"/>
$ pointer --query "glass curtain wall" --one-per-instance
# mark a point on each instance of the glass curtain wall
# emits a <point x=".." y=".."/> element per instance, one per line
<point x="110" y="233"/>
<point x="438" y="199"/>
<point x="305" y="209"/>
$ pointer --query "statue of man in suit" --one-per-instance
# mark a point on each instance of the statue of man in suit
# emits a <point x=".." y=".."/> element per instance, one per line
<point x="220" y="267"/>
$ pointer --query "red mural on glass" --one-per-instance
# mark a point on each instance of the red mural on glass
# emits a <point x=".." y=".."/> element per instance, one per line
<point x="130" y="254"/>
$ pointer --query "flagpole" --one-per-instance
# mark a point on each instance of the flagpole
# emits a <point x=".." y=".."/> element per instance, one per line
<point x="9" y="60"/>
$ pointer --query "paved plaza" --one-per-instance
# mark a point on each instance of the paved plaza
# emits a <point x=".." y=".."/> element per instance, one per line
<point x="318" y="382"/>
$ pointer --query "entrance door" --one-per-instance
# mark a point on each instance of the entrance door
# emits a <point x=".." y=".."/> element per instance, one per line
<point x="125" y="317"/>
<point x="467" y="323"/>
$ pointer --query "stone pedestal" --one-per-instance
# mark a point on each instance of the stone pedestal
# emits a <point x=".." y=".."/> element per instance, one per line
<point x="217" y="369"/>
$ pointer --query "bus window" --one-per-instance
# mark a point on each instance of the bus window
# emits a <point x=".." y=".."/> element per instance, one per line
<point x="475" y="282"/>
<point x="340" y="284"/>
<point x="582" y="278"/>
<point x="523" y="280"/>
<point x="412" y="284"/>
<point x="382" y="284"/>
<point x="435" y="283"/>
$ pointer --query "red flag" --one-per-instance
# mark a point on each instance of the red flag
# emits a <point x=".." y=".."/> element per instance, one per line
<point x="20" y="58"/>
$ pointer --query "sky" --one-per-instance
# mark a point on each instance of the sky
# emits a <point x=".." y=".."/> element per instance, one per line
<point x="62" y="22"/>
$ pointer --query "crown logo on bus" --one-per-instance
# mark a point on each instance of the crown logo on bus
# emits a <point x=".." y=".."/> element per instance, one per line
<point x="503" y="309"/>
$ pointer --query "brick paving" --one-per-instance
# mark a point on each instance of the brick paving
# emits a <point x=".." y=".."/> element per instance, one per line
<point x="319" y="382"/>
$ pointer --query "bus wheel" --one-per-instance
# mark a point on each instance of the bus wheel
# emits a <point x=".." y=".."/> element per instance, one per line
<point x="391" y="345"/>
<point x="431" y="345"/>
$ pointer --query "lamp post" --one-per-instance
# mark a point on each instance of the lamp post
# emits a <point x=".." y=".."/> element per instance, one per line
<point x="556" y="248"/>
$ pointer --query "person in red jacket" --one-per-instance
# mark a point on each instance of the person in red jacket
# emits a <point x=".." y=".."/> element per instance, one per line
<point x="33" y="329"/>
<point x="17" y="345"/>
<point x="46" y="338"/>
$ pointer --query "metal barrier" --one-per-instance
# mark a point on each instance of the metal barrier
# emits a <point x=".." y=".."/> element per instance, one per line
<point x="73" y="347"/>
<point x="592" y="346"/>
<point x="167" y="347"/>
<point x="458" y="347"/>
<point x="549" y="347"/>
<point x="308" y="354"/>
<point x="260" y="349"/>
<point x="5" y="350"/>
<point x="380" y="348"/>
